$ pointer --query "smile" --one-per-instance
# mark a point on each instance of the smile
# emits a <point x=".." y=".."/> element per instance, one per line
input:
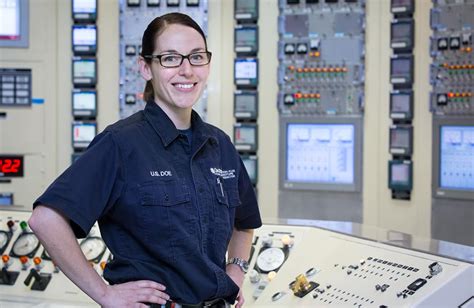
<point x="184" y="85"/>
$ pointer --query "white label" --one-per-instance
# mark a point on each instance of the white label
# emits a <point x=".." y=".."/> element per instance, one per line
<point x="243" y="49"/>
<point x="398" y="80"/>
<point x="399" y="45"/>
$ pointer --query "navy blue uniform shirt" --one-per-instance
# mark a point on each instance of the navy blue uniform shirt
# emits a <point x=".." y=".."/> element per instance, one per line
<point x="166" y="207"/>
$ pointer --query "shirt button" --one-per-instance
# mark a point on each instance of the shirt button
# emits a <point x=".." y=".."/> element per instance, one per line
<point x="167" y="197"/>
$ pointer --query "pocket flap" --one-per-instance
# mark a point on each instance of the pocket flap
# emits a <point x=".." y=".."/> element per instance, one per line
<point x="164" y="194"/>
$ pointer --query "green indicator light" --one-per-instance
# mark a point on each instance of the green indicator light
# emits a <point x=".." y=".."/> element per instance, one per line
<point x="23" y="225"/>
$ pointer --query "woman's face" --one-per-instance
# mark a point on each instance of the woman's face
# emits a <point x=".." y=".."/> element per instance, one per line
<point x="179" y="87"/>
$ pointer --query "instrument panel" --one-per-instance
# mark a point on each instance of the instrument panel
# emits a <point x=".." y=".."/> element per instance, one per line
<point x="290" y="266"/>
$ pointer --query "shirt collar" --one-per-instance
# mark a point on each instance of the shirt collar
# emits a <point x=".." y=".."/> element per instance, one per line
<point x="166" y="129"/>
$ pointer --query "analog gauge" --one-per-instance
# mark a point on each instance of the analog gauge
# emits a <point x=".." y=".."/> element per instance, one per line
<point x="270" y="259"/>
<point x="4" y="239"/>
<point x="93" y="248"/>
<point x="25" y="245"/>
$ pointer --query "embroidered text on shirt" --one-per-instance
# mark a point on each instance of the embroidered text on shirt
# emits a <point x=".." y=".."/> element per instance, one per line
<point x="161" y="173"/>
<point x="225" y="174"/>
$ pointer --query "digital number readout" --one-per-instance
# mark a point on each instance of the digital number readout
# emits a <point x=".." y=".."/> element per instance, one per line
<point x="11" y="166"/>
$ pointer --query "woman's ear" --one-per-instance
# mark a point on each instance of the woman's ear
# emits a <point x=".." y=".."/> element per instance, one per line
<point x="145" y="69"/>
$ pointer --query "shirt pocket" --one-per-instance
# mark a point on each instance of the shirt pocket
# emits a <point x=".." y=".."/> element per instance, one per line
<point x="227" y="200"/>
<point x="169" y="218"/>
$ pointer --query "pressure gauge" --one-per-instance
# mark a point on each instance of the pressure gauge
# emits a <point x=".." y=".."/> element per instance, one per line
<point x="270" y="259"/>
<point x="25" y="245"/>
<point x="93" y="248"/>
<point x="4" y="239"/>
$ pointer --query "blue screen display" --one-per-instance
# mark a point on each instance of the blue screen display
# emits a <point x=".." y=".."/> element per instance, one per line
<point x="457" y="157"/>
<point x="320" y="153"/>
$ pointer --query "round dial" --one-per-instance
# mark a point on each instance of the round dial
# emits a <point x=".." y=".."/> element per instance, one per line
<point x="270" y="259"/>
<point x="25" y="245"/>
<point x="93" y="248"/>
<point x="3" y="240"/>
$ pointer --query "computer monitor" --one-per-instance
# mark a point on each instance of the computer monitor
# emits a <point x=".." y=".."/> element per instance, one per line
<point x="453" y="163"/>
<point x="401" y="71"/>
<point x="401" y="35"/>
<point x="400" y="175"/>
<point x="84" y="11"/>
<point x="321" y="154"/>
<point x="84" y="72"/>
<point x="84" y="103"/>
<point x="401" y="140"/>
<point x="246" y="40"/>
<point x="246" y="11"/>
<point x="245" y="137"/>
<point x="251" y="165"/>
<point x="246" y="72"/>
<point x="83" y="133"/>
<point x="401" y="105"/>
<point x="14" y="25"/>
<point x="84" y="39"/>
<point x="245" y="105"/>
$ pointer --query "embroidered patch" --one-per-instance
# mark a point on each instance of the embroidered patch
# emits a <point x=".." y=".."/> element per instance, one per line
<point x="225" y="174"/>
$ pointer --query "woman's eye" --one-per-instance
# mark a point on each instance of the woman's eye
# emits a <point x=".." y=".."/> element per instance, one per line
<point x="197" y="57"/>
<point x="170" y="58"/>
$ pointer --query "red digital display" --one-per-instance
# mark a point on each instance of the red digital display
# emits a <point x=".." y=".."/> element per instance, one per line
<point x="11" y="166"/>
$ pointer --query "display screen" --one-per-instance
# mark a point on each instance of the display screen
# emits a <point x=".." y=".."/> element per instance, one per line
<point x="84" y="69"/>
<point x="401" y="31"/>
<point x="84" y="100"/>
<point x="84" y="6"/>
<point x="245" y="69"/>
<point x="251" y="167"/>
<point x="9" y="19"/>
<point x="400" y="174"/>
<point x="320" y="153"/>
<point x="84" y="35"/>
<point x="246" y="6"/>
<point x="6" y="198"/>
<point x="245" y="135"/>
<point x="400" y="103"/>
<point x="401" y="66"/>
<point x="83" y="133"/>
<point x="400" y="138"/>
<point x="11" y="166"/>
<point x="245" y="105"/>
<point x="246" y="37"/>
<point x="457" y="157"/>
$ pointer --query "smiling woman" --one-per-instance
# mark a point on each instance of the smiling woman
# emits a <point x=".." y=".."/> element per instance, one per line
<point x="161" y="183"/>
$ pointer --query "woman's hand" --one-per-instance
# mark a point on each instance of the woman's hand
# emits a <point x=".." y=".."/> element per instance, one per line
<point x="134" y="294"/>
<point x="236" y="274"/>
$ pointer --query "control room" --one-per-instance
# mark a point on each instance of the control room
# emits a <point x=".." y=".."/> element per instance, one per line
<point x="236" y="153"/>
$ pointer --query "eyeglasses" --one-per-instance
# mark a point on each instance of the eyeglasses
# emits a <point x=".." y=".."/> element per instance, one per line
<point x="175" y="59"/>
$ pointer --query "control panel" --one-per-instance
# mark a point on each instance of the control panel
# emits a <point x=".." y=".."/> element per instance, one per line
<point x="134" y="17"/>
<point x="289" y="266"/>
<point x="452" y="68"/>
<point x="28" y="277"/>
<point x="323" y="268"/>
<point x="321" y="57"/>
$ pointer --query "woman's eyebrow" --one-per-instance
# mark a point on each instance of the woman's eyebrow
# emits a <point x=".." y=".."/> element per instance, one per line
<point x="175" y="51"/>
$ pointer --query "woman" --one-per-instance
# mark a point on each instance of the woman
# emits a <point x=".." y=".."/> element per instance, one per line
<point x="169" y="191"/>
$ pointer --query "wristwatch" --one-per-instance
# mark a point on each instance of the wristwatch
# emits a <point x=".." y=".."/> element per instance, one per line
<point x="244" y="265"/>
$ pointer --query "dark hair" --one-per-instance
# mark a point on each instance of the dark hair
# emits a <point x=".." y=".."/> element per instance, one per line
<point x="154" y="29"/>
